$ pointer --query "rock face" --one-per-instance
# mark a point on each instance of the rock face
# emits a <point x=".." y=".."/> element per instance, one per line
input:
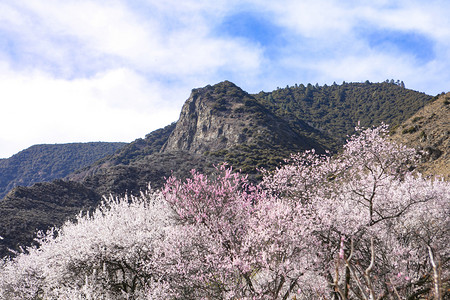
<point x="204" y="125"/>
<point x="210" y="120"/>
<point x="223" y="116"/>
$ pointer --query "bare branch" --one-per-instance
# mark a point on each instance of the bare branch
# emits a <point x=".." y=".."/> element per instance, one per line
<point x="436" y="277"/>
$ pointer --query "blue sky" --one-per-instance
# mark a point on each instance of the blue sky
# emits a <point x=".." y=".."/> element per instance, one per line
<point x="97" y="70"/>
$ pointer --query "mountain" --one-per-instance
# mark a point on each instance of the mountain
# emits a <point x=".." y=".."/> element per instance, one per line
<point x="224" y="116"/>
<point x="217" y="123"/>
<point x="41" y="163"/>
<point x="224" y="121"/>
<point x="428" y="130"/>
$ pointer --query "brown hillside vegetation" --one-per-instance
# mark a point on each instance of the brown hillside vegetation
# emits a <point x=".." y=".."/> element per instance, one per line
<point x="429" y="130"/>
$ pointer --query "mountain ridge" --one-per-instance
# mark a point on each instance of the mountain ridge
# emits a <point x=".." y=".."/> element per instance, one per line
<point x="224" y="116"/>
<point x="46" y="162"/>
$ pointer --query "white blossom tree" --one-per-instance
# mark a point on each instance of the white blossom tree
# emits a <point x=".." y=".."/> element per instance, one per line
<point x="112" y="253"/>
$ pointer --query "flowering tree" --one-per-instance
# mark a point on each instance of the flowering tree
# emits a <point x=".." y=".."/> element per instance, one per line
<point x="112" y="253"/>
<point x="358" y="225"/>
<point x="242" y="243"/>
<point x="214" y="214"/>
<point x="374" y="217"/>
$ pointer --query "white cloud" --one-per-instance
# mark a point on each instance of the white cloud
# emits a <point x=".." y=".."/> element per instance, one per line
<point x="118" y="105"/>
<point x="81" y="33"/>
<point x="328" y="41"/>
<point x="314" y="18"/>
<point x="107" y="70"/>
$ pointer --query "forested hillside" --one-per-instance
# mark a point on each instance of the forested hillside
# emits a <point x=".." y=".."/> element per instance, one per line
<point x="41" y="163"/>
<point x="335" y="110"/>
<point x="134" y="151"/>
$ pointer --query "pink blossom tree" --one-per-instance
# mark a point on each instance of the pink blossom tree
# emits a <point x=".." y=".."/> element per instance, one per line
<point x="239" y="241"/>
<point x="212" y="214"/>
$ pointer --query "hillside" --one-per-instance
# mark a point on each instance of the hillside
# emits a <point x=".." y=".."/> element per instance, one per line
<point x="428" y="130"/>
<point x="219" y="123"/>
<point x="41" y="163"/>
<point x="335" y="110"/>
<point x="128" y="154"/>
<point x="24" y="210"/>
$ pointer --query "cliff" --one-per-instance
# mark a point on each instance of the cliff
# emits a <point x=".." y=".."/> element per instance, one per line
<point x="223" y="116"/>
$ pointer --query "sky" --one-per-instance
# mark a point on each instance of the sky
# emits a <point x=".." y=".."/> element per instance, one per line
<point x="115" y="70"/>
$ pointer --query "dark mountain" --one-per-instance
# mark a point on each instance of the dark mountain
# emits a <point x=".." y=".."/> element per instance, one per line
<point x="217" y="123"/>
<point x="224" y="116"/>
<point x="41" y="163"/>
<point x="132" y="152"/>
<point x="139" y="163"/>
<point x="27" y="209"/>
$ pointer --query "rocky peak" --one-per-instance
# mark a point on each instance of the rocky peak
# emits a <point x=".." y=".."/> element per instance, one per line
<point x="223" y="116"/>
<point x="211" y="119"/>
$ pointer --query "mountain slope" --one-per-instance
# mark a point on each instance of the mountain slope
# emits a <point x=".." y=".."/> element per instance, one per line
<point x="27" y="209"/>
<point x="335" y="110"/>
<point x="224" y="116"/>
<point x="128" y="154"/>
<point x="41" y="163"/>
<point x="428" y="130"/>
<point x="217" y="123"/>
